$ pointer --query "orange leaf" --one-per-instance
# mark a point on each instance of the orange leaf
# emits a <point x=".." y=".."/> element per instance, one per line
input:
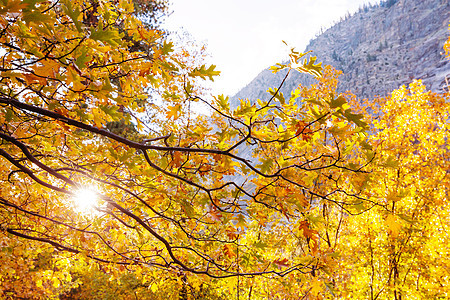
<point x="216" y="215"/>
<point x="31" y="78"/>
<point x="204" y="169"/>
<point x="49" y="68"/>
<point x="228" y="251"/>
<point x="302" y="200"/>
<point x="231" y="233"/>
<point x="310" y="235"/>
<point x="307" y="232"/>
<point x="177" y="159"/>
<point x="302" y="128"/>
<point x="62" y="111"/>
<point x="281" y="262"/>
<point x="14" y="6"/>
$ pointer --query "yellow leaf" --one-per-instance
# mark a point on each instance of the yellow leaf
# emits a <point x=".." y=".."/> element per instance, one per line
<point x="393" y="224"/>
<point x="154" y="287"/>
<point x="55" y="282"/>
<point x="241" y="222"/>
<point x="39" y="283"/>
<point x="139" y="125"/>
<point x="316" y="287"/>
<point x="73" y="78"/>
<point x="393" y="196"/>
<point x="174" y="111"/>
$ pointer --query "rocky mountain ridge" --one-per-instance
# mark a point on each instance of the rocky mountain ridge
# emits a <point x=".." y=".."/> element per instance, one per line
<point x="378" y="49"/>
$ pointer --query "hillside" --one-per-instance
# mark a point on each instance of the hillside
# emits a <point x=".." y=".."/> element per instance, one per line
<point x="378" y="49"/>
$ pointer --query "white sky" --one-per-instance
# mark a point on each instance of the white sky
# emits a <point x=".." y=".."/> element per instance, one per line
<point x="245" y="36"/>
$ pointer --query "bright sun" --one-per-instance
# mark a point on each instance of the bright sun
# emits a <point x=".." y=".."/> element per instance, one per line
<point x="85" y="199"/>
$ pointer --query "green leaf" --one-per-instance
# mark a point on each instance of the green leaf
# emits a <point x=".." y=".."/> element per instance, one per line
<point x="365" y="145"/>
<point x="187" y="208"/>
<point x="83" y="58"/>
<point x="36" y="17"/>
<point x="391" y="162"/>
<point x="260" y="245"/>
<point x="110" y="110"/>
<point x="355" y="118"/>
<point x="108" y="35"/>
<point x="189" y="88"/>
<point x="359" y="206"/>
<point x="167" y="47"/>
<point x="72" y="13"/>
<point x="169" y="66"/>
<point x="9" y="115"/>
<point x="407" y="218"/>
<point x="369" y="154"/>
<point x="338" y="102"/>
<point x="107" y="85"/>
<point x="353" y="166"/>
<point x="330" y="287"/>
<point x="12" y="6"/>
<point x="266" y="164"/>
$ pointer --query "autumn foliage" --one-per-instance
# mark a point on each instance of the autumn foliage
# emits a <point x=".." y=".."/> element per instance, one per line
<point x="315" y="194"/>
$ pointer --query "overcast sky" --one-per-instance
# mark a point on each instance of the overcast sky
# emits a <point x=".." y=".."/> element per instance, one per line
<point x="245" y="36"/>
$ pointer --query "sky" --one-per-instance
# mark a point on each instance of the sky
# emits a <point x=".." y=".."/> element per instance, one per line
<point x="244" y="37"/>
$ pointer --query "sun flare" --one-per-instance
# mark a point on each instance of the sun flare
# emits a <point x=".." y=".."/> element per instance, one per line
<point x="86" y="199"/>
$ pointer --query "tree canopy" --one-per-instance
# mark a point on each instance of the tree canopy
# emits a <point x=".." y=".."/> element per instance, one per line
<point x="112" y="185"/>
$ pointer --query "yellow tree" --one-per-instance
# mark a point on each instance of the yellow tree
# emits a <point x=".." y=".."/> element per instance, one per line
<point x="400" y="249"/>
<point x="173" y="204"/>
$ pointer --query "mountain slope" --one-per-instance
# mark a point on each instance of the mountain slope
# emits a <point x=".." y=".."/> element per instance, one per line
<point x="378" y="50"/>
